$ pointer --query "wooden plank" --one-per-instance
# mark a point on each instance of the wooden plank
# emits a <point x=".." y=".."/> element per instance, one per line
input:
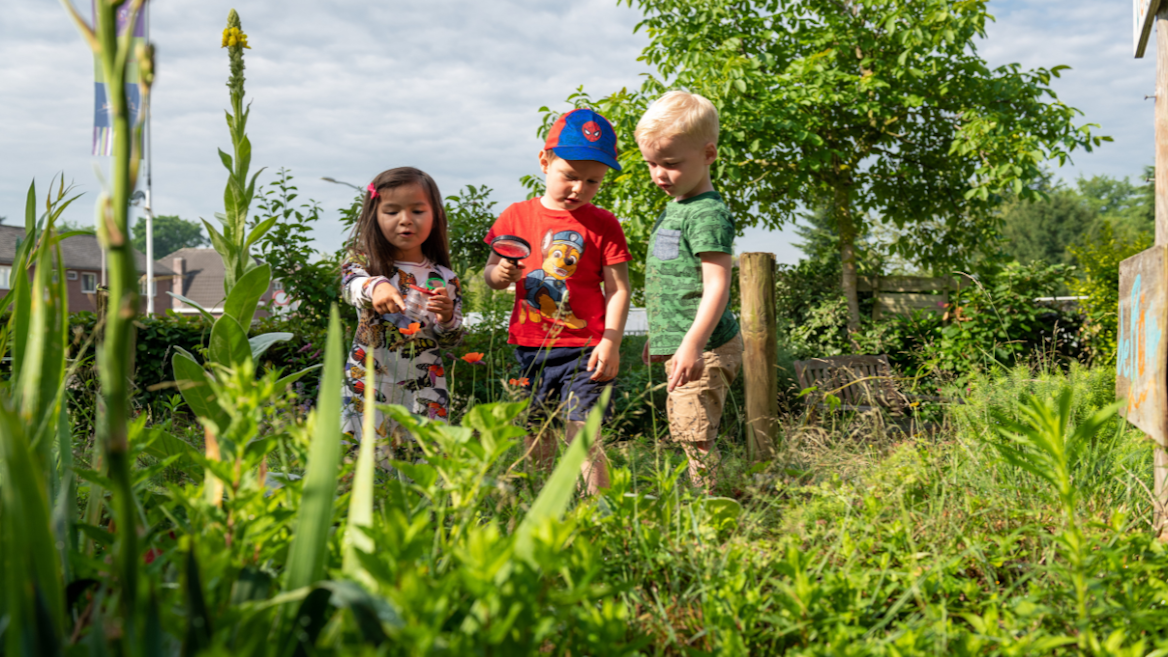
<point x="1140" y="360"/>
<point x="888" y="305"/>
<point x="1143" y="11"/>
<point x="906" y="284"/>
<point x="760" y="360"/>
<point x="1161" y="119"/>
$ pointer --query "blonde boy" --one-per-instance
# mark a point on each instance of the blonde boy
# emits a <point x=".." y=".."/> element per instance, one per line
<point x="687" y="276"/>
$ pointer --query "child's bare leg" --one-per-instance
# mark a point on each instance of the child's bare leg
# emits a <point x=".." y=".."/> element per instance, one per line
<point x="595" y="468"/>
<point x="704" y="458"/>
<point x="542" y="449"/>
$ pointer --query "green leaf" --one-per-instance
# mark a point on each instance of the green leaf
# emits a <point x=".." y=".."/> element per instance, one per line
<point x="259" y="231"/>
<point x="226" y="160"/>
<point x="34" y="576"/>
<point x="199" y="629"/>
<point x="286" y="381"/>
<point x="163" y="445"/>
<point x="206" y="313"/>
<point x="241" y="301"/>
<point x="361" y="496"/>
<point x="310" y="541"/>
<point x="260" y="343"/>
<point x="195" y="387"/>
<point x="229" y="345"/>
<point x="557" y="492"/>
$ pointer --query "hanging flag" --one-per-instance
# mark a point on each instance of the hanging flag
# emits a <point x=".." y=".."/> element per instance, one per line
<point x="102" y="125"/>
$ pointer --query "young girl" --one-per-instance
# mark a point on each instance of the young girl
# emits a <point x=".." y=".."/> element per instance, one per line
<point x="398" y="246"/>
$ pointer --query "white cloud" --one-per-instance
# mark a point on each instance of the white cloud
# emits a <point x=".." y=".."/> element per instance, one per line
<point x="346" y="89"/>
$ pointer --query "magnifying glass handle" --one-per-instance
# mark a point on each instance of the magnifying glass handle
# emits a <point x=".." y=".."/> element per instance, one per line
<point x="514" y="261"/>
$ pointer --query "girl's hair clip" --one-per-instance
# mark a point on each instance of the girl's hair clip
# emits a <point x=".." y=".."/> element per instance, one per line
<point x="372" y="191"/>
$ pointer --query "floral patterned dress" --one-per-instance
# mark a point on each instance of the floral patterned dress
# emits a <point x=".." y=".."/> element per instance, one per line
<point x="408" y="365"/>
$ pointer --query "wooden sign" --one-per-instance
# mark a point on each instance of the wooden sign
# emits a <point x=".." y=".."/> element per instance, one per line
<point x="1141" y="377"/>
<point x="1144" y="16"/>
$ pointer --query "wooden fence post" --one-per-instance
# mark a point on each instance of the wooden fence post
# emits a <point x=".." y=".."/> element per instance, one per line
<point x="759" y="362"/>
<point x="1160" y="457"/>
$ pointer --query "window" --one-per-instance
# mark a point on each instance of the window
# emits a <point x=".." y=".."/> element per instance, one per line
<point x="88" y="283"/>
<point x="5" y="274"/>
<point x="71" y="275"/>
<point x="142" y="287"/>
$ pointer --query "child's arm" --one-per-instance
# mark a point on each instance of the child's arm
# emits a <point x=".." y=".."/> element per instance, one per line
<point x="605" y="360"/>
<point x="687" y="361"/>
<point x="501" y="273"/>
<point x="364" y="291"/>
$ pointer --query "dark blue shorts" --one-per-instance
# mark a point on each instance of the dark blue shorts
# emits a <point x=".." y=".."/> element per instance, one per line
<point x="559" y="375"/>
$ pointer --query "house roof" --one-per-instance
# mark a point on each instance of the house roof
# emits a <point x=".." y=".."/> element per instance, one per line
<point x="79" y="252"/>
<point x="203" y="275"/>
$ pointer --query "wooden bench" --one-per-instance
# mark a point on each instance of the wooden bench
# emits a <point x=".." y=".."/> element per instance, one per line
<point x="861" y="383"/>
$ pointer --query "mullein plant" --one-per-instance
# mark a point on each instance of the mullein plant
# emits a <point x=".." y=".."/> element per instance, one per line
<point x="235" y="241"/>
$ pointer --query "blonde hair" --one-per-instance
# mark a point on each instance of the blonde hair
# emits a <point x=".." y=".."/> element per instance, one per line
<point x="679" y="114"/>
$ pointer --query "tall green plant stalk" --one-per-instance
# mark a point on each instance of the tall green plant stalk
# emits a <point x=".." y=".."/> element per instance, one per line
<point x="234" y="243"/>
<point x="115" y="359"/>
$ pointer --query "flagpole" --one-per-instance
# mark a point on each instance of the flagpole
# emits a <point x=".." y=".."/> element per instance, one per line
<point x="147" y="201"/>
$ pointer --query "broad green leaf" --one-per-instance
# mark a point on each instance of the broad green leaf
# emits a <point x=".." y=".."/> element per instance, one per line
<point x="195" y="386"/>
<point x="163" y="445"/>
<point x="193" y="304"/>
<point x="260" y="343"/>
<point x="241" y="301"/>
<point x="310" y="540"/>
<point x="229" y="346"/>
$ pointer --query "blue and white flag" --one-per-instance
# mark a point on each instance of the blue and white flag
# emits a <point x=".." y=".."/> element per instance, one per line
<point x="102" y="123"/>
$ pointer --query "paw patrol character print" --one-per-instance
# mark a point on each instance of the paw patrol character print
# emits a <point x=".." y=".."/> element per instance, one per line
<point x="547" y="288"/>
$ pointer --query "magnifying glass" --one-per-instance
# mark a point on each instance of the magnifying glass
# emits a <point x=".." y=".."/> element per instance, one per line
<point x="511" y="247"/>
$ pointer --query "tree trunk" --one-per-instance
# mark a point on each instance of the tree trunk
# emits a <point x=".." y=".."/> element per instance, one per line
<point x="846" y="225"/>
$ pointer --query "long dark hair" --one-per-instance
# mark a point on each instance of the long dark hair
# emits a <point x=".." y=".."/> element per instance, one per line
<point x="367" y="239"/>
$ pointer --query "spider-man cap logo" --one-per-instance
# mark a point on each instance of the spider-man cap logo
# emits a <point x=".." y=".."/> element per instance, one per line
<point x="583" y="135"/>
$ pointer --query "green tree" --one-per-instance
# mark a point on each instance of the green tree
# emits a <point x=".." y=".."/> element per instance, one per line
<point x="309" y="277"/>
<point x="171" y="233"/>
<point x="884" y="111"/>
<point x="1042" y="229"/>
<point x="1129" y="208"/>
<point x="469" y="216"/>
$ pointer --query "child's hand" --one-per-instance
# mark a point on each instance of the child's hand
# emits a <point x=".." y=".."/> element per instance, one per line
<point x="386" y="299"/>
<point x="645" y="353"/>
<point x="508" y="272"/>
<point x="687" y="366"/>
<point x="441" y="305"/>
<point x="605" y="361"/>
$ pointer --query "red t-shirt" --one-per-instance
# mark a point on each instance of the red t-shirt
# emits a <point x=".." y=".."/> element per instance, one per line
<point x="559" y="302"/>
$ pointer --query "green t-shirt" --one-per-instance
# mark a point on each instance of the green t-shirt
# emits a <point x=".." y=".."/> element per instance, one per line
<point x="673" y="270"/>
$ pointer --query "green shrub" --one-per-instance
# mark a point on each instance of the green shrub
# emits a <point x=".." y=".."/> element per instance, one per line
<point x="1099" y="260"/>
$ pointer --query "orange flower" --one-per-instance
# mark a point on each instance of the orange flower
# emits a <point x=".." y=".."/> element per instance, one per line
<point x="472" y="358"/>
<point x="414" y="328"/>
<point x="521" y="382"/>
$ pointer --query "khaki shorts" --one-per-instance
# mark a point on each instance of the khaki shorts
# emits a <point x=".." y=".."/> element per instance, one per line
<point x="695" y="409"/>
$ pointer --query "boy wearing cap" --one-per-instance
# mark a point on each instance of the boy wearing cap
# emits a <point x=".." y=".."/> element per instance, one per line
<point x="566" y="329"/>
<point x="687" y="276"/>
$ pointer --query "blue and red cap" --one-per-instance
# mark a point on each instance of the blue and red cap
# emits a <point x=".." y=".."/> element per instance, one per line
<point x="583" y="135"/>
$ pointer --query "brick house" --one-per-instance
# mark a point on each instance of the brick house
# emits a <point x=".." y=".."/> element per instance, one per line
<point x="82" y="260"/>
<point x="198" y="276"/>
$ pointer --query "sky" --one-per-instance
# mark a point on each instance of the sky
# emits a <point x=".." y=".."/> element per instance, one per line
<point x="348" y="88"/>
